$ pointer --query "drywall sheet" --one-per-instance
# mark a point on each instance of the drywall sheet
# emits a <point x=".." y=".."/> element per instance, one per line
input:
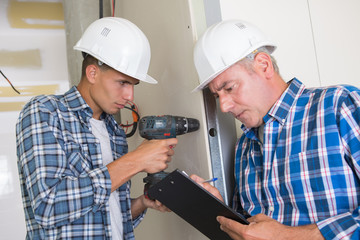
<point x="288" y="24"/>
<point x="170" y="31"/>
<point x="23" y="59"/>
<point x="317" y="39"/>
<point x="336" y="38"/>
<point x="11" y="101"/>
<point x="33" y="14"/>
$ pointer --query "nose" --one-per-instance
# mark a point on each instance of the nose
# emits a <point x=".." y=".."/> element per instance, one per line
<point x="129" y="93"/>
<point x="225" y="103"/>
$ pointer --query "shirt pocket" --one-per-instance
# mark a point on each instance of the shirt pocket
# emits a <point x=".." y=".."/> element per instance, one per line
<point x="302" y="172"/>
<point x="78" y="158"/>
<point x="315" y="177"/>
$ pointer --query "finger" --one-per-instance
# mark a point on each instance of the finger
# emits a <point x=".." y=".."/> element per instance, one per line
<point x="171" y="142"/>
<point x="232" y="228"/>
<point x="207" y="186"/>
<point x="258" y="218"/>
<point x="213" y="190"/>
<point x="161" y="207"/>
<point x="171" y="152"/>
<point x="154" y="204"/>
<point x="196" y="178"/>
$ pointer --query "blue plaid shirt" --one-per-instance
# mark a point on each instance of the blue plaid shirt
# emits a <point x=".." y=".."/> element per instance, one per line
<point x="307" y="170"/>
<point x="65" y="186"/>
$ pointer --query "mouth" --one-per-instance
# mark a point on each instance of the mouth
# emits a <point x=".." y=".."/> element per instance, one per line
<point x="238" y="116"/>
<point x="120" y="106"/>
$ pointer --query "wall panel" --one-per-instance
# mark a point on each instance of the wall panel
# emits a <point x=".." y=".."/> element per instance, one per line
<point x="170" y="31"/>
<point x="288" y="24"/>
<point x="337" y="38"/>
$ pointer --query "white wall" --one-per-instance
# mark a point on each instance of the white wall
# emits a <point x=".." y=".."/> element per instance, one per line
<point x="318" y="40"/>
<point x="336" y="36"/>
<point x="52" y="71"/>
<point x="170" y="31"/>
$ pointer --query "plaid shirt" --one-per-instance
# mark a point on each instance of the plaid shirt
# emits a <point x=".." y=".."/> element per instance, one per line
<point x="307" y="170"/>
<point x="65" y="186"/>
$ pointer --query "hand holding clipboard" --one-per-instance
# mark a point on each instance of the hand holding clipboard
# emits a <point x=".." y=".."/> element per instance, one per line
<point x="194" y="204"/>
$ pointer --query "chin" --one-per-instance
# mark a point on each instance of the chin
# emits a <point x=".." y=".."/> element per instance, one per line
<point x="249" y="125"/>
<point x="112" y="112"/>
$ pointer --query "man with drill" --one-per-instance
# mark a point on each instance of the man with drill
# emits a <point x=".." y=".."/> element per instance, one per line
<point x="298" y="160"/>
<point x="73" y="158"/>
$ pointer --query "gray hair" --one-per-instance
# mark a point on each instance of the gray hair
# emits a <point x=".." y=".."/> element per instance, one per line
<point x="249" y="59"/>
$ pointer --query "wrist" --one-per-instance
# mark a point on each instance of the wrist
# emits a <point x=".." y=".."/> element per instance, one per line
<point x="138" y="205"/>
<point x="132" y="161"/>
<point x="307" y="232"/>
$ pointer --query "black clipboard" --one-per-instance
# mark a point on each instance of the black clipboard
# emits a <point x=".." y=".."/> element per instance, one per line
<point x="194" y="204"/>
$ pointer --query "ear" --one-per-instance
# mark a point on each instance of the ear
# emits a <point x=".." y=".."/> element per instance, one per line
<point x="91" y="72"/>
<point x="264" y="64"/>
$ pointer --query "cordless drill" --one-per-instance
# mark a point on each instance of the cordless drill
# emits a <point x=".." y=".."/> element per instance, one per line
<point x="162" y="127"/>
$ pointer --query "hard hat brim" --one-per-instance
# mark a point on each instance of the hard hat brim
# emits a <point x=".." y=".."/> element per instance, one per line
<point x="149" y="79"/>
<point x="205" y="83"/>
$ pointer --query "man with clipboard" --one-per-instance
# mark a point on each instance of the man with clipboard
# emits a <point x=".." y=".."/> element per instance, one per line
<point x="297" y="162"/>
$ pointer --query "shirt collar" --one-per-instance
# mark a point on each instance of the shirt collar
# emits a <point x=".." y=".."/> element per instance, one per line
<point x="76" y="102"/>
<point x="282" y="106"/>
<point x="280" y="110"/>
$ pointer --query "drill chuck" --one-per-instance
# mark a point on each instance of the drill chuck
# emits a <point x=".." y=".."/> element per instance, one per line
<point x="185" y="125"/>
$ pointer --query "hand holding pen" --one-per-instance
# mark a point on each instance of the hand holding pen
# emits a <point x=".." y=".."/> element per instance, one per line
<point x="210" y="180"/>
<point x="206" y="184"/>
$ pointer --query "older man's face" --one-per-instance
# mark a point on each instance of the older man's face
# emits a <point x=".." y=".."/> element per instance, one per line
<point x="240" y="93"/>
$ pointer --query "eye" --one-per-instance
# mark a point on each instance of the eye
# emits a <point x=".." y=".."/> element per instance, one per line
<point x="229" y="89"/>
<point x="123" y="82"/>
<point x="128" y="82"/>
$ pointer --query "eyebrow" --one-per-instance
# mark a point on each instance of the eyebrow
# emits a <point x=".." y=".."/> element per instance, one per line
<point x="222" y="86"/>
<point x="129" y="82"/>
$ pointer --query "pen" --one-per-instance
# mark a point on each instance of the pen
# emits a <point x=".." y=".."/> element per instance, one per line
<point x="210" y="180"/>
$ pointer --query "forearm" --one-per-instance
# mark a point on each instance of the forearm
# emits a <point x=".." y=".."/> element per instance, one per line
<point x="137" y="206"/>
<point x="122" y="170"/>
<point x="303" y="232"/>
<point x="263" y="227"/>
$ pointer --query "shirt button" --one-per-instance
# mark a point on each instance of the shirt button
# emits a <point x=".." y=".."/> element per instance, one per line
<point x="271" y="208"/>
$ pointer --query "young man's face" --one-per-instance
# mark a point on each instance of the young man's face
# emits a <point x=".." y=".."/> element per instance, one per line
<point x="111" y="91"/>
<point x="240" y="91"/>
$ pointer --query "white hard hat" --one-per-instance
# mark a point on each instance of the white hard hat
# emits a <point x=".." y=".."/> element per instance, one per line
<point x="120" y="44"/>
<point x="224" y="44"/>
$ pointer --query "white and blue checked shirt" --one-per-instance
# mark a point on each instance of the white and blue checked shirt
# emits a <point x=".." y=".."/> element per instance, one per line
<point x="307" y="170"/>
<point x="65" y="186"/>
